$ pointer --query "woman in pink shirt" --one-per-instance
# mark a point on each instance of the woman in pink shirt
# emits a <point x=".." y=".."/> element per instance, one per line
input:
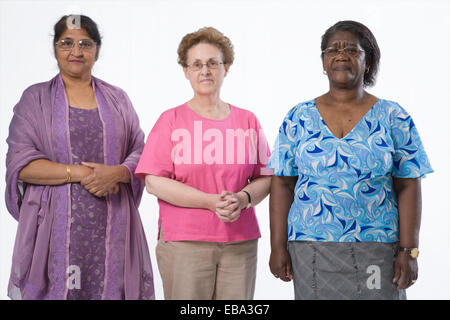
<point x="205" y="162"/>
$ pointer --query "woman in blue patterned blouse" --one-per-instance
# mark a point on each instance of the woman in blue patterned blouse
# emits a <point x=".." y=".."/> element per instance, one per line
<point x="345" y="200"/>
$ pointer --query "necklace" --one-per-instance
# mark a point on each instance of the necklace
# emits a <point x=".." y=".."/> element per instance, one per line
<point x="91" y="104"/>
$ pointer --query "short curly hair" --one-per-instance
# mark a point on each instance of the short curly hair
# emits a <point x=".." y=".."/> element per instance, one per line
<point x="367" y="41"/>
<point x="206" y="35"/>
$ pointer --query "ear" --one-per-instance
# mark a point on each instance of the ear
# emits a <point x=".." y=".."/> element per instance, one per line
<point x="226" y="67"/>
<point x="323" y="64"/>
<point x="367" y="67"/>
<point x="186" y="72"/>
<point x="97" y="53"/>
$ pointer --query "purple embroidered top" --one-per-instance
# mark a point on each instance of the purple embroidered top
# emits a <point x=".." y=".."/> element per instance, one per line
<point x="87" y="251"/>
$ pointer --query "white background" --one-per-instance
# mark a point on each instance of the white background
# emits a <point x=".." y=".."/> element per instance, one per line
<point x="277" y="65"/>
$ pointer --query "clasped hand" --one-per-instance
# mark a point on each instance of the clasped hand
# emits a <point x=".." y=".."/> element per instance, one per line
<point x="102" y="181"/>
<point x="229" y="205"/>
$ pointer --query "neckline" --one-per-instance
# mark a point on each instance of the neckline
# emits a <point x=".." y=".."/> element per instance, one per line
<point x="185" y="105"/>
<point x="96" y="108"/>
<point x="324" y="124"/>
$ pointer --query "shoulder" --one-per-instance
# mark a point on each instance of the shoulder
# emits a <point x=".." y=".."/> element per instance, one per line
<point x="299" y="111"/>
<point x="393" y="110"/>
<point x="243" y="114"/>
<point x="391" y="106"/>
<point x="241" y="111"/>
<point x="170" y="116"/>
<point x="35" y="96"/>
<point x="41" y="88"/>
<point x="109" y="88"/>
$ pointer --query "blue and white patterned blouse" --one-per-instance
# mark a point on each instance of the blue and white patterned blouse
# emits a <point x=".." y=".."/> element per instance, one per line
<point x="344" y="190"/>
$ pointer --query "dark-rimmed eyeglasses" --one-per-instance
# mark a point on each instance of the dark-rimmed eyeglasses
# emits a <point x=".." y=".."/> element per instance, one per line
<point x="211" y="64"/>
<point x="68" y="44"/>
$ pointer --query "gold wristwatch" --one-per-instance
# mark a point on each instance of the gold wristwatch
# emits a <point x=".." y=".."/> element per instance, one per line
<point x="413" y="252"/>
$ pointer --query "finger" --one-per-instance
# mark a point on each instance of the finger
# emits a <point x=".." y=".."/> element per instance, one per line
<point x="403" y="280"/>
<point x="224" y="193"/>
<point x="86" y="180"/>
<point x="222" y="215"/>
<point x="223" y="204"/>
<point x="235" y="215"/>
<point x="224" y="219"/>
<point x="91" y="165"/>
<point x="289" y="272"/>
<point x="397" y="273"/>
<point x="99" y="194"/>
<point x="232" y="207"/>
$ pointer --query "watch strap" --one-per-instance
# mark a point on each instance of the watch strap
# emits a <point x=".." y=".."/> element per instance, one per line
<point x="249" y="199"/>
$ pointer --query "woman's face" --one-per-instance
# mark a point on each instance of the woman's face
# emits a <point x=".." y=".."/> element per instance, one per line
<point x="344" y="60"/>
<point x="207" y="80"/>
<point x="76" y="62"/>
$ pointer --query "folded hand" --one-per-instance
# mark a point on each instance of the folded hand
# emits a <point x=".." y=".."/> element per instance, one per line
<point x="103" y="181"/>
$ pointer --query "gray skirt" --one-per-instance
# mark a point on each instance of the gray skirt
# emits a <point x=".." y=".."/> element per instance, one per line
<point x="344" y="270"/>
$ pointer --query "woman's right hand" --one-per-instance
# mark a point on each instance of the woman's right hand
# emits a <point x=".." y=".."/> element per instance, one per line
<point x="280" y="264"/>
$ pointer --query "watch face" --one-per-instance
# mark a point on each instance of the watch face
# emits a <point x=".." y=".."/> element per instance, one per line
<point x="414" y="253"/>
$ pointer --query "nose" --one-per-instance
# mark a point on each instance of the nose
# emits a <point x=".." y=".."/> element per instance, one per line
<point x="205" y="69"/>
<point x="341" y="55"/>
<point x="76" y="51"/>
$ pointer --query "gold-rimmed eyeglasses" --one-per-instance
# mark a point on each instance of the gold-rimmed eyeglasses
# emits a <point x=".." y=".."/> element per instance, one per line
<point x="198" y="65"/>
<point x="349" y="51"/>
<point x="68" y="44"/>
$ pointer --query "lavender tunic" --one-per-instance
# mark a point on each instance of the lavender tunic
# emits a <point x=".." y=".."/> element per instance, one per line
<point x="39" y="129"/>
<point x="87" y="250"/>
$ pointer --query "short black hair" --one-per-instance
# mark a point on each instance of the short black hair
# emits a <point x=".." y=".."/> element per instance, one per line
<point x="85" y="22"/>
<point x="367" y="41"/>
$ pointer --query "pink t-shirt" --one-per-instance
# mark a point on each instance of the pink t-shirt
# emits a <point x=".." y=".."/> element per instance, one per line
<point x="211" y="156"/>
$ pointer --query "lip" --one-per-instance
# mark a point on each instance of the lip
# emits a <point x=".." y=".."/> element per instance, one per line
<point x="76" y="61"/>
<point x="206" y="80"/>
<point x="342" y="68"/>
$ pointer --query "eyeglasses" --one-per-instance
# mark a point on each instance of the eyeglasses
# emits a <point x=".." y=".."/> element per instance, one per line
<point x="211" y="64"/>
<point x="68" y="44"/>
<point x="349" y="51"/>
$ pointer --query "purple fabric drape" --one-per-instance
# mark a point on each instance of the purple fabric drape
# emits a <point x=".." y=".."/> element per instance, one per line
<point x="39" y="130"/>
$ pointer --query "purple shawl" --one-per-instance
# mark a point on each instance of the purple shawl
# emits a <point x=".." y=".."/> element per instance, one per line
<point x="39" y="130"/>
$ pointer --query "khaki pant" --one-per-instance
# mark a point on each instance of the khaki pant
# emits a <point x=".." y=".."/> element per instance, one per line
<point x="198" y="270"/>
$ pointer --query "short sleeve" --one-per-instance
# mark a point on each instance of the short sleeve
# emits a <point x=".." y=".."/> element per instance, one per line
<point x="282" y="160"/>
<point x="156" y="158"/>
<point x="410" y="159"/>
<point x="263" y="154"/>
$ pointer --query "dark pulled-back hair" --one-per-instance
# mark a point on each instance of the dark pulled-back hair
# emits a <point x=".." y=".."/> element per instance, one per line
<point x="366" y="40"/>
<point x="84" y="22"/>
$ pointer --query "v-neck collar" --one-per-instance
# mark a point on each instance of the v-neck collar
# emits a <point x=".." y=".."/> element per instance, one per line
<point x="324" y="124"/>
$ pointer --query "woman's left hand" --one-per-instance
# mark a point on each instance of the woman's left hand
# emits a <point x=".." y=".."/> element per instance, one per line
<point x="229" y="207"/>
<point x="405" y="271"/>
<point x="104" y="180"/>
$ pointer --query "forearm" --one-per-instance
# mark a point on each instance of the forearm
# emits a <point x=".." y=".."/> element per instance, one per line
<point x="179" y="194"/>
<point x="281" y="198"/>
<point x="46" y="172"/>
<point x="123" y="173"/>
<point x="409" y="199"/>
<point x="258" y="190"/>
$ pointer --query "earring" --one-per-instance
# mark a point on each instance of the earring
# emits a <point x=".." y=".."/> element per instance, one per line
<point x="324" y="72"/>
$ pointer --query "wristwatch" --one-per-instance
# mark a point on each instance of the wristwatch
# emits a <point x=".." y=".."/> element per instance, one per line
<point x="413" y="252"/>
<point x="249" y="204"/>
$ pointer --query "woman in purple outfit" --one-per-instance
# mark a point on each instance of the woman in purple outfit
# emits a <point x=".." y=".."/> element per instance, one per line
<point x="74" y="142"/>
